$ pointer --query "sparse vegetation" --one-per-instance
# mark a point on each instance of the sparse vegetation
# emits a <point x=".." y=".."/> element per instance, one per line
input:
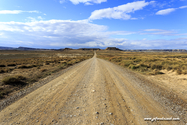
<point x="34" y="65"/>
<point x="26" y="66"/>
<point x="16" y="80"/>
<point x="148" y="62"/>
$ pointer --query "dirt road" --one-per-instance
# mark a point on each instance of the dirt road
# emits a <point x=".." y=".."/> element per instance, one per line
<point x="93" y="92"/>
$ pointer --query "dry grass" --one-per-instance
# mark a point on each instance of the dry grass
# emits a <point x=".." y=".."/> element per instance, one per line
<point x="14" y="80"/>
<point x="148" y="62"/>
<point x="33" y="66"/>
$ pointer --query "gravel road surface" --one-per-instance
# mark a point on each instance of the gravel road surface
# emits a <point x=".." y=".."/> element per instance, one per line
<point x="94" y="92"/>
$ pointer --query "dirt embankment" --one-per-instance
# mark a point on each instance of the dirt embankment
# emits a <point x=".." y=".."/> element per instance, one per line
<point x="97" y="92"/>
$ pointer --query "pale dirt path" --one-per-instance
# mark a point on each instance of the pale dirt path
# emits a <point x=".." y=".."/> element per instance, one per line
<point x="93" y="92"/>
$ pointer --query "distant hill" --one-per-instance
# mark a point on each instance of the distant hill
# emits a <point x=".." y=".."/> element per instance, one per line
<point x="66" y="49"/>
<point x="112" y="48"/>
<point x="158" y="50"/>
<point x="25" y="48"/>
<point x="6" y="48"/>
<point x="89" y="49"/>
<point x="20" y="48"/>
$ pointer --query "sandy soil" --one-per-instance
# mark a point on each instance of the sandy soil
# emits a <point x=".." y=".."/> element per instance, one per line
<point x="173" y="81"/>
<point x="98" y="92"/>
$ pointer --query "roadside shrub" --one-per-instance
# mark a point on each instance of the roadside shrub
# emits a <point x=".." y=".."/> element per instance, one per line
<point x="2" y="65"/>
<point x="14" y="80"/>
<point x="133" y="66"/>
<point x="1" y="95"/>
<point x="63" y="65"/>
<point x="119" y="59"/>
<point x="71" y="62"/>
<point x="184" y="72"/>
<point x="6" y="70"/>
<point x="11" y="65"/>
<point x="43" y="70"/>
<point x="46" y="63"/>
<point x="155" y="72"/>
<point x="49" y="61"/>
<point x="179" y="71"/>
<point x="145" y="65"/>
<point x="169" y="68"/>
<point x="137" y="60"/>
<point x="126" y="63"/>
<point x="142" y="69"/>
<point x="22" y="66"/>
<point x="155" y="66"/>
<point x="176" y="67"/>
<point x="112" y="59"/>
<point x="26" y="66"/>
<point x="2" y="71"/>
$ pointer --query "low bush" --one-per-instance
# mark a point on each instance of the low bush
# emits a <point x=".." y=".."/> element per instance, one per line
<point x="168" y="68"/>
<point x="14" y="80"/>
<point x="2" y="65"/>
<point x="155" y="72"/>
<point x="179" y="71"/>
<point x="11" y="64"/>
<point x="2" y="71"/>
<point x="5" y="70"/>
<point x="184" y="72"/>
<point x="145" y="65"/>
<point x="63" y="65"/>
<point x="26" y="66"/>
<point x="131" y="66"/>
<point x="43" y="70"/>
<point x="156" y="66"/>
<point x="126" y="63"/>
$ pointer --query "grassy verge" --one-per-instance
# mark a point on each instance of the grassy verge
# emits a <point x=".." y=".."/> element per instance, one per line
<point x="148" y="62"/>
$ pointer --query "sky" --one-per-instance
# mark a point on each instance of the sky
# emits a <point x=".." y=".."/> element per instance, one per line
<point x="126" y="24"/>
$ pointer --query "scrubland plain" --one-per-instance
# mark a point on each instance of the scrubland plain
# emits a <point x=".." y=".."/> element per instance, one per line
<point x="19" y="69"/>
<point x="150" y="63"/>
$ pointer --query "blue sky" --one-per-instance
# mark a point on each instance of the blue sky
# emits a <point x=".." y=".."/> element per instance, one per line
<point x="126" y="24"/>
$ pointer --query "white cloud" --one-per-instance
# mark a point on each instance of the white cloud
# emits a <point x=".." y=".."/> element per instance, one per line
<point x="10" y="11"/>
<point x="81" y="33"/>
<point x="169" y="10"/>
<point x="153" y="30"/>
<point x="86" y="2"/>
<point x="32" y="19"/>
<point x="16" y="11"/>
<point x="60" y="33"/>
<point x="119" y="33"/>
<point x="144" y="38"/>
<point x="182" y="7"/>
<point x="62" y="1"/>
<point x="34" y="11"/>
<point x="165" y="11"/>
<point x="40" y="18"/>
<point x="160" y="32"/>
<point x="119" y="12"/>
<point x="158" y="44"/>
<point x="45" y="33"/>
